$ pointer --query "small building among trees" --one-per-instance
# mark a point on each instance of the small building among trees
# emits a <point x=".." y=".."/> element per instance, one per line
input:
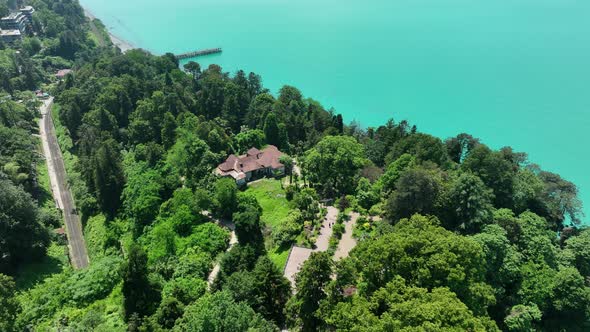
<point x="253" y="165"/>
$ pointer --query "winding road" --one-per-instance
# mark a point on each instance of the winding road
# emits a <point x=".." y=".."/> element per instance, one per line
<point x="60" y="190"/>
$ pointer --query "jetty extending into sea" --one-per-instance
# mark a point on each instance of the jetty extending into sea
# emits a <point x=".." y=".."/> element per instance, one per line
<point x="193" y="54"/>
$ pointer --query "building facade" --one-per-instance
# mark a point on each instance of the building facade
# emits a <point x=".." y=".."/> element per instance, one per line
<point x="253" y="165"/>
<point x="10" y="36"/>
<point x="21" y="20"/>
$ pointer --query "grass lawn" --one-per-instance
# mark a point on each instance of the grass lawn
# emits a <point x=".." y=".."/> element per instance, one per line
<point x="275" y="209"/>
<point x="279" y="256"/>
<point x="271" y="197"/>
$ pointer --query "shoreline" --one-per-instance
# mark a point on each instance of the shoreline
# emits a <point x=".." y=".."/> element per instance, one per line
<point x="119" y="42"/>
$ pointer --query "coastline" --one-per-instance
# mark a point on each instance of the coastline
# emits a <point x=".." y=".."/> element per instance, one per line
<point x="119" y="42"/>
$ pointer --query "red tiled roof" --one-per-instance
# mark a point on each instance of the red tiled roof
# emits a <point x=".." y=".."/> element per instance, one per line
<point x="63" y="72"/>
<point x="253" y="152"/>
<point x="253" y="160"/>
<point x="229" y="164"/>
<point x="270" y="157"/>
<point x="250" y="164"/>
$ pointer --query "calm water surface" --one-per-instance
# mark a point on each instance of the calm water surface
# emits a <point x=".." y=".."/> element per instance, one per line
<point x="512" y="72"/>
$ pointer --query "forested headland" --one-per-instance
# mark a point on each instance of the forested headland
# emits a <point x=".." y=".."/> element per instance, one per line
<point x="452" y="234"/>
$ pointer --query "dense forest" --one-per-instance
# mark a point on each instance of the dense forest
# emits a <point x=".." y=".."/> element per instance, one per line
<point x="452" y="234"/>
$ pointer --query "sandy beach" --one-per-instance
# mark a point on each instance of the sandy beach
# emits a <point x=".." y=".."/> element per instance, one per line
<point x="122" y="44"/>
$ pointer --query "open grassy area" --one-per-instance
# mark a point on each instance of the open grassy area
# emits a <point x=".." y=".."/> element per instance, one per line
<point x="271" y="197"/>
<point x="275" y="209"/>
<point x="279" y="256"/>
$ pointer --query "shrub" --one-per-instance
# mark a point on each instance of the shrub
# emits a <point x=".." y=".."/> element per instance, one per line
<point x="289" y="229"/>
<point x="338" y="230"/>
<point x="376" y="210"/>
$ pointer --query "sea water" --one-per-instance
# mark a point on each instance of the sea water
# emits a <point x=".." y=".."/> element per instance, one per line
<point x="511" y="72"/>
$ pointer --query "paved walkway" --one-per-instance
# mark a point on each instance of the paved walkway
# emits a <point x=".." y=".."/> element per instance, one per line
<point x="59" y="187"/>
<point x="299" y="255"/>
<point x="347" y="242"/>
<point x="232" y="241"/>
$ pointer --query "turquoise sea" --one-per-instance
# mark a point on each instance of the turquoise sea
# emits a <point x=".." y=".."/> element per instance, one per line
<point x="511" y="72"/>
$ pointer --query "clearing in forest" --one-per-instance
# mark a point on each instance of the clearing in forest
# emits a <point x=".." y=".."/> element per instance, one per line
<point x="275" y="208"/>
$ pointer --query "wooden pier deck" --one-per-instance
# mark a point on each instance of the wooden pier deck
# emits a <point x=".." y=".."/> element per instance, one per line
<point x="193" y="54"/>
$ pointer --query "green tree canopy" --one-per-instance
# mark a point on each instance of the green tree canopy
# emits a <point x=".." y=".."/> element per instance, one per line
<point x="310" y="282"/>
<point x="218" y="312"/>
<point x="428" y="256"/>
<point x="333" y="165"/>
<point x="400" y="307"/>
<point x="24" y="238"/>
<point x="472" y="203"/>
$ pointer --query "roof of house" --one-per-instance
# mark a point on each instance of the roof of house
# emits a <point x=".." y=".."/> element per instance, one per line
<point x="63" y="72"/>
<point x="229" y="164"/>
<point x="253" y="160"/>
<point x="253" y="152"/>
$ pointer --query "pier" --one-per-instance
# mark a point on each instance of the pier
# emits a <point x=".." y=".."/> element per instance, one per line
<point x="189" y="55"/>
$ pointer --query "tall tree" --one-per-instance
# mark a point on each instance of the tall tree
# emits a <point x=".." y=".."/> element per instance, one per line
<point x="265" y="289"/>
<point x="416" y="191"/>
<point x="226" y="197"/>
<point x="561" y="199"/>
<point x="399" y="306"/>
<point x="24" y="238"/>
<point x="108" y="176"/>
<point x="271" y="129"/>
<point x="140" y="297"/>
<point x="193" y="68"/>
<point x="272" y="290"/>
<point x="248" y="228"/>
<point x="495" y="171"/>
<point x="472" y="203"/>
<point x="459" y="147"/>
<point x="333" y="165"/>
<point x="311" y="282"/>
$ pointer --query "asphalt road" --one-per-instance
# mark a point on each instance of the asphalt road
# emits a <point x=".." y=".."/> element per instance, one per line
<point x="57" y="173"/>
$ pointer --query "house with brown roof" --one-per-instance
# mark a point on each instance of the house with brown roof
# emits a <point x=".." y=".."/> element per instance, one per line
<point x="62" y="73"/>
<point x="252" y="165"/>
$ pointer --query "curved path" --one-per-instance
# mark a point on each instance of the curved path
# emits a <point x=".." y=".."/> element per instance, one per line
<point x="60" y="189"/>
<point x="299" y="255"/>
<point x="232" y="241"/>
<point x="347" y="242"/>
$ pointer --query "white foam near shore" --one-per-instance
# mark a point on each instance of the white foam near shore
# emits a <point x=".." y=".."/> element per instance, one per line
<point x="122" y="44"/>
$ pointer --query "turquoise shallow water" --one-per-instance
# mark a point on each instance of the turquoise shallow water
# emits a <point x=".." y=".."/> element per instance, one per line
<point x="512" y="72"/>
